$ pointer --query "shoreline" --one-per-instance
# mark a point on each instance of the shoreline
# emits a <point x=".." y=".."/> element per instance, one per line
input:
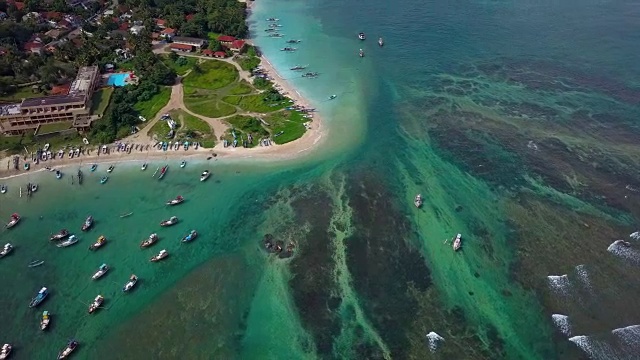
<point x="310" y="139"/>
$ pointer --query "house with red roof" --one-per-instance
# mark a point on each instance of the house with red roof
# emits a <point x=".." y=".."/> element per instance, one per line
<point x="226" y="40"/>
<point x="220" y="54"/>
<point x="237" y="45"/>
<point x="168" y="33"/>
<point x="207" y="52"/>
<point x="60" y="89"/>
<point x="34" y="47"/>
<point x="19" y="5"/>
<point x="161" y="23"/>
<point x="181" y="47"/>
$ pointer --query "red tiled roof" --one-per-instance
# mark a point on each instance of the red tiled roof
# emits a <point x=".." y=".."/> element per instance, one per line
<point x="181" y="46"/>
<point x="32" y="45"/>
<point x="226" y="38"/>
<point x="238" y="44"/>
<point x="52" y="15"/>
<point x="60" y="89"/>
<point x="124" y="26"/>
<point x="207" y="52"/>
<point x="19" y="5"/>
<point x="169" y="31"/>
<point x="160" y="22"/>
<point x="64" y="24"/>
<point x="220" y="54"/>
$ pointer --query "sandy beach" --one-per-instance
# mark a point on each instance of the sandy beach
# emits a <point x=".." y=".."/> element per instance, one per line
<point x="311" y="138"/>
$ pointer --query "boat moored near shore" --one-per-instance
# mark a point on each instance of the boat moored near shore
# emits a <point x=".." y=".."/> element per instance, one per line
<point x="191" y="236"/>
<point x="13" y="221"/>
<point x="133" y="280"/>
<point x="99" y="243"/>
<point x="39" y="298"/>
<point x="153" y="238"/>
<point x="71" y="346"/>
<point x="8" y="248"/>
<point x="95" y="305"/>
<point x="418" y="201"/>
<point x="205" y="175"/>
<point x="101" y="271"/>
<point x="5" y="351"/>
<point x="161" y="255"/>
<point x="178" y="200"/>
<point x="60" y="235"/>
<point x="44" y="322"/>
<point x="457" y="242"/>
<point x="88" y="223"/>
<point x="361" y="36"/>
<point x="172" y="221"/>
<point x="68" y="242"/>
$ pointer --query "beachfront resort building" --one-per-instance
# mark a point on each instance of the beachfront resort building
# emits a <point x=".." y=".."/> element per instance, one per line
<point x="75" y="106"/>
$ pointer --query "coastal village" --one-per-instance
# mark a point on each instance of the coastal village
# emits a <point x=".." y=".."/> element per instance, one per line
<point x="79" y="75"/>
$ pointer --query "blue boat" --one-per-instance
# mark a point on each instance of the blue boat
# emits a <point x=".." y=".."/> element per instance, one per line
<point x="58" y="174"/>
<point x="94" y="167"/>
<point x="42" y="294"/>
<point x="104" y="179"/>
<point x="192" y="235"/>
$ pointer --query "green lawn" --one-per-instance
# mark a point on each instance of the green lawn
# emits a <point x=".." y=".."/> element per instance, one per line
<point x="181" y="66"/>
<point x="150" y="108"/>
<point x="241" y="88"/>
<point x="213" y="75"/>
<point x="255" y="103"/>
<point x="288" y="122"/>
<point x="206" y="103"/>
<point x="193" y="128"/>
<point x="100" y="101"/>
<point x="212" y="36"/>
<point x="16" y="144"/>
<point x="49" y="128"/>
<point x="160" y="130"/>
<point x="243" y="125"/>
<point x="248" y="63"/>
<point x="21" y="93"/>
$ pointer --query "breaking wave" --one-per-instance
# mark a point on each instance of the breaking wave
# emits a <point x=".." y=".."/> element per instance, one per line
<point x="562" y="323"/>
<point x="583" y="275"/>
<point x="629" y="336"/>
<point x="623" y="250"/>
<point x="635" y="235"/>
<point x="559" y="284"/>
<point x="434" y="341"/>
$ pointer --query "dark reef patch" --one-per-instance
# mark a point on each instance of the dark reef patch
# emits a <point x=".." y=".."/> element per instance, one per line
<point x="381" y="260"/>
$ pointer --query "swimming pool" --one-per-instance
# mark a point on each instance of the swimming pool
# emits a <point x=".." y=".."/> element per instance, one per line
<point x="117" y="79"/>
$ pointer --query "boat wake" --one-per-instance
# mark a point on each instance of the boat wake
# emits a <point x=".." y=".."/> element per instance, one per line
<point x="622" y="250"/>
<point x="434" y="341"/>
<point x="562" y="323"/>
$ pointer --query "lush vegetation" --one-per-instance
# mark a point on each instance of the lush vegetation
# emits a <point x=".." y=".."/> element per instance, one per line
<point x="204" y="16"/>
<point x="180" y="64"/>
<point x="149" y="108"/>
<point x="249" y="60"/>
<point x="241" y="88"/>
<point x="267" y="101"/>
<point x="242" y="126"/>
<point x="206" y="103"/>
<point x="287" y="125"/>
<point x="211" y="75"/>
<point x="193" y="128"/>
<point x="100" y="101"/>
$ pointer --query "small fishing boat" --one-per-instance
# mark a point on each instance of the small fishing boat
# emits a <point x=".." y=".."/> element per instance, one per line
<point x="293" y="41"/>
<point x="101" y="271"/>
<point x="96" y="303"/>
<point x="130" y="284"/>
<point x="15" y="219"/>
<point x="380" y="42"/>
<point x="46" y="319"/>
<point x="3" y="189"/>
<point x="289" y="49"/>
<point x="39" y="298"/>
<point x="88" y="223"/>
<point x="68" y="242"/>
<point x="192" y="235"/>
<point x="94" y="167"/>
<point x="60" y="235"/>
<point x="36" y="263"/>
<point x="64" y="353"/>
<point x="163" y="171"/>
<point x="26" y="166"/>
<point x="418" y="201"/>
<point x="161" y="255"/>
<point x="172" y="221"/>
<point x="298" y="67"/>
<point x="58" y="174"/>
<point x="333" y="97"/>
<point x="361" y="53"/>
<point x="183" y="164"/>
<point x="110" y="169"/>
<point x="153" y="238"/>
<point x="310" y="75"/>
<point x="34" y="187"/>
<point x="8" y="248"/>
<point x="205" y="175"/>
<point x="104" y="179"/>
<point x="100" y="242"/>
<point x="272" y="19"/>
<point x="361" y="36"/>
<point x="144" y="167"/>
<point x="457" y="242"/>
<point x="178" y="200"/>
<point x="5" y="351"/>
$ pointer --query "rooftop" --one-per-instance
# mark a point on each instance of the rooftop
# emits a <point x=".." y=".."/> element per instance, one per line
<point x="188" y="40"/>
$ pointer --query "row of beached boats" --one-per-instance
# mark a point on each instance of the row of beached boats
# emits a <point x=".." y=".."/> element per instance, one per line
<point x="456" y="241"/>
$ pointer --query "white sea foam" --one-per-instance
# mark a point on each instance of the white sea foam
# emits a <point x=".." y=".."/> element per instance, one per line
<point x="630" y="336"/>
<point x="622" y="251"/>
<point x="562" y="323"/>
<point x="635" y="235"/>
<point x="434" y="341"/>
<point x="595" y="349"/>
<point x="583" y="275"/>
<point x="559" y="284"/>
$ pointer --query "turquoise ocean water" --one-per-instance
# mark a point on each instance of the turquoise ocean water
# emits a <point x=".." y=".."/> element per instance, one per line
<point x="516" y="120"/>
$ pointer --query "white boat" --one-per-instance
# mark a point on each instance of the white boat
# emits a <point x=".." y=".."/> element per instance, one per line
<point x="183" y="164"/>
<point x="34" y="187"/>
<point x="361" y="53"/>
<point x="110" y="169"/>
<point x="457" y="242"/>
<point x="205" y="175"/>
<point x="418" y="201"/>
<point x="46" y="319"/>
<point x="96" y="303"/>
<point x="46" y="147"/>
<point x="68" y="242"/>
<point x="361" y="36"/>
<point x="144" y="167"/>
<point x="5" y="351"/>
<point x="161" y="255"/>
<point x="101" y="271"/>
<point x="85" y="141"/>
<point x="380" y="42"/>
<point x="133" y="280"/>
<point x="6" y="250"/>
<point x="3" y="189"/>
